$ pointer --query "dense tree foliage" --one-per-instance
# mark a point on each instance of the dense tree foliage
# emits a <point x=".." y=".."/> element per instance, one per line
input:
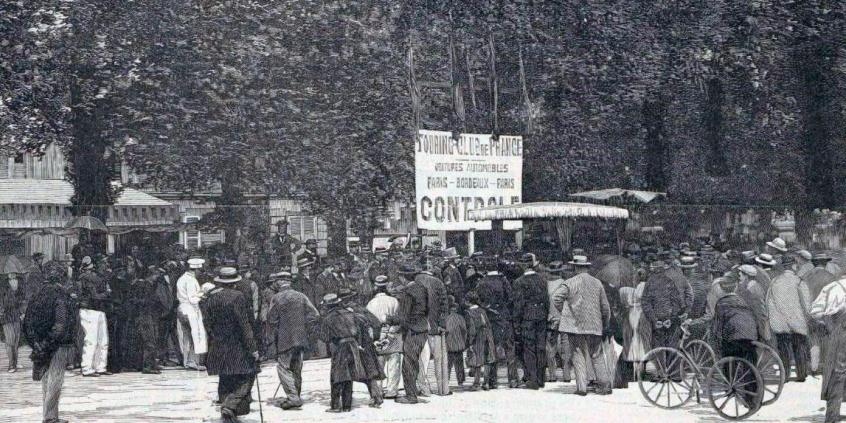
<point x="719" y="102"/>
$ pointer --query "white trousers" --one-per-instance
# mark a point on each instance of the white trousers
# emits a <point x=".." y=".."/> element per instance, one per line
<point x="393" y="373"/>
<point x="434" y="348"/>
<point x="95" y="349"/>
<point x="186" y="343"/>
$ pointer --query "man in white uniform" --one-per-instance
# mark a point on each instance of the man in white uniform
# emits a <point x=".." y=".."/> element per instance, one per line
<point x="189" y="322"/>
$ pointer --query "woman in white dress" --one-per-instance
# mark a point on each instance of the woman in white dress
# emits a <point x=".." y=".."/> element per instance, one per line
<point x="636" y="331"/>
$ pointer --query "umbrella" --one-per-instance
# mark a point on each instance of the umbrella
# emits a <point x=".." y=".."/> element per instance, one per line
<point x="615" y="271"/>
<point x="11" y="264"/>
<point x="620" y="194"/>
<point x="90" y="223"/>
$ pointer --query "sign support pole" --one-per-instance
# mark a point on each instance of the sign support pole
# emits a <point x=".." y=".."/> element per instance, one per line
<point x="471" y="242"/>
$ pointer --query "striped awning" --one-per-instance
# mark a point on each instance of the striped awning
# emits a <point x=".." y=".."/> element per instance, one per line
<point x="548" y="210"/>
<point x="40" y="203"/>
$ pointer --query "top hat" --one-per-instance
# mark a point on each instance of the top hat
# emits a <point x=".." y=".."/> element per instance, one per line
<point x="450" y="254"/>
<point x="227" y="275"/>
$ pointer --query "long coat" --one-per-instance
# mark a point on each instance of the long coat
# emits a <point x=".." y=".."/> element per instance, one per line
<point x="481" y="349"/>
<point x="583" y="305"/>
<point x="230" y="333"/>
<point x="339" y="329"/>
<point x="12" y="302"/>
<point x="369" y="328"/>
<point x="438" y="300"/>
<point x="830" y="308"/>
<point x="456" y="336"/>
<point x="787" y="303"/>
<point x="290" y="320"/>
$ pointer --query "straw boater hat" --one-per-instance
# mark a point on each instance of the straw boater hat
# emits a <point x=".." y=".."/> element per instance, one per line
<point x="688" y="262"/>
<point x="778" y="244"/>
<point x="331" y="299"/>
<point x="381" y="281"/>
<point x="657" y="265"/>
<point x="765" y="259"/>
<point x="748" y="270"/>
<point x="579" y="261"/>
<point x="227" y="275"/>
<point x="529" y="259"/>
<point x="556" y="266"/>
<point x="196" y="262"/>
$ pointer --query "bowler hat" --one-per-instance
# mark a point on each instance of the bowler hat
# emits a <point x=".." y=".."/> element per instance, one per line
<point x="227" y="275"/>
<point x="822" y="258"/>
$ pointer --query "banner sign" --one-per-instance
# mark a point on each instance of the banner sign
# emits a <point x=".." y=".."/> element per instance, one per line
<point x="454" y="176"/>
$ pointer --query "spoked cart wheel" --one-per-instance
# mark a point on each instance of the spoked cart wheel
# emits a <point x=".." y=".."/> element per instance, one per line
<point x="772" y="371"/>
<point x="666" y="378"/>
<point x="702" y="356"/>
<point x="735" y="388"/>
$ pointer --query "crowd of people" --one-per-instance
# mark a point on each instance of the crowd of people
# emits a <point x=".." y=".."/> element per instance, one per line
<point x="384" y="318"/>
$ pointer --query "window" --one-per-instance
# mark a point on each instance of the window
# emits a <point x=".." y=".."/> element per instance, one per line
<point x="308" y="227"/>
<point x="191" y="237"/>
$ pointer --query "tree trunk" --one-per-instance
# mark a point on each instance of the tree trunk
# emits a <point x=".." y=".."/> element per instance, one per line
<point x="653" y="112"/>
<point x="229" y="208"/>
<point x="817" y="117"/>
<point x="713" y="120"/>
<point x="337" y="233"/>
<point x="804" y="224"/>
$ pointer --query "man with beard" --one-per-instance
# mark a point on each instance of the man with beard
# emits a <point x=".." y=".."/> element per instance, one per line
<point x="531" y="309"/>
<point x="233" y="352"/>
<point x="495" y="297"/>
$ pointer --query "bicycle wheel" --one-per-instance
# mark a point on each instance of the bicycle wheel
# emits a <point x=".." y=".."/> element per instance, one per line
<point x="735" y="388"/>
<point x="701" y="355"/>
<point x="772" y="371"/>
<point x="666" y="378"/>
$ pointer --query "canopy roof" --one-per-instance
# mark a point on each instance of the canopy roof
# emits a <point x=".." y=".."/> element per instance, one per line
<point x="59" y="192"/>
<point x="548" y="209"/>
<point x="606" y="194"/>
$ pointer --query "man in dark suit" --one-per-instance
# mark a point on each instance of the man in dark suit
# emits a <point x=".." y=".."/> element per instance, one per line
<point x="284" y="245"/>
<point x="233" y="351"/>
<point x="291" y="318"/>
<point x="50" y="329"/>
<point x="412" y="319"/>
<point x="531" y="309"/>
<point x="438" y="310"/>
<point x="495" y="296"/>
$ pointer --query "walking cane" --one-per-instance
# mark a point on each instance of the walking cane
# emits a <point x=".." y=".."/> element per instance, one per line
<point x="258" y="392"/>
